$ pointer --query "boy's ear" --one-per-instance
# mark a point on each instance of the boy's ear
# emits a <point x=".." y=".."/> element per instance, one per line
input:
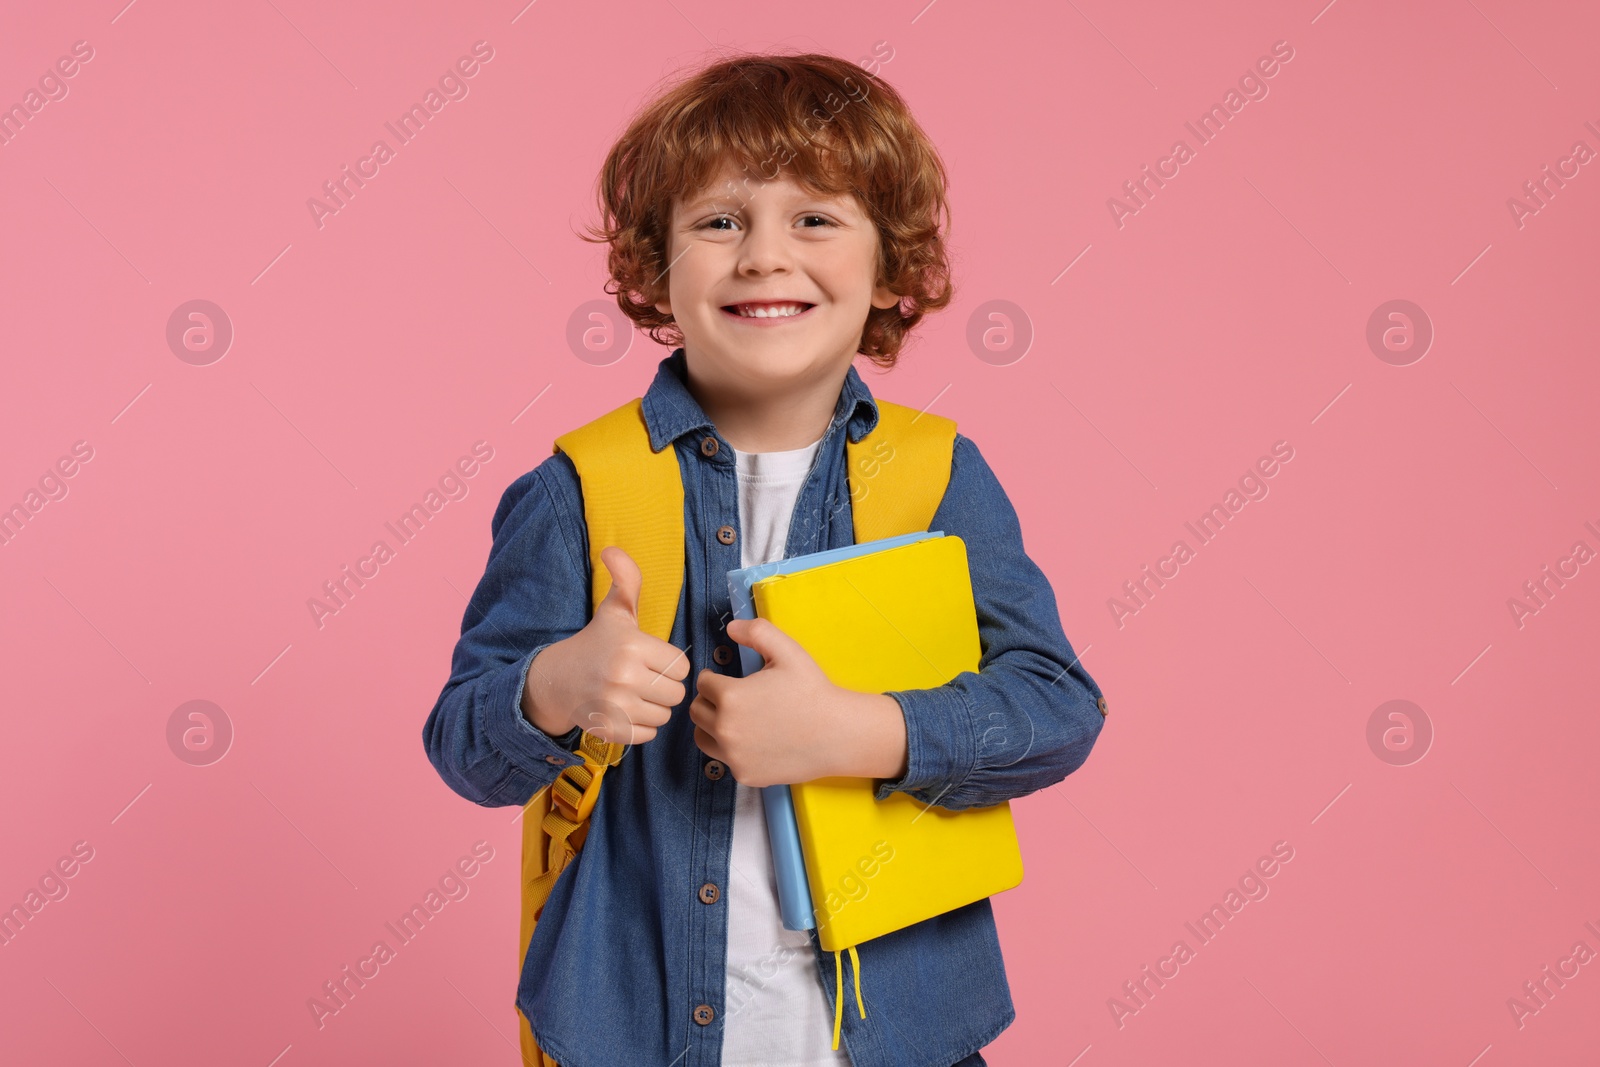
<point x="664" y="305"/>
<point x="883" y="297"/>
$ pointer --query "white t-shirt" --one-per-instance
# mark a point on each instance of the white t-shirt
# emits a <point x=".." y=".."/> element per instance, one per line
<point x="776" y="1013"/>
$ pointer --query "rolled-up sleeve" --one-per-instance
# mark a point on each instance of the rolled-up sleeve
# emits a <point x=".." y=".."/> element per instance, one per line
<point x="1030" y="714"/>
<point x="534" y="592"/>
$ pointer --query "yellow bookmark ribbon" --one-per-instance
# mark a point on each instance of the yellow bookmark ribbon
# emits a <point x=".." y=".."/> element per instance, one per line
<point x="838" y="983"/>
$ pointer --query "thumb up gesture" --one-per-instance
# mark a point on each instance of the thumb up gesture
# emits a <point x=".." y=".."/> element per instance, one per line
<point x="611" y="678"/>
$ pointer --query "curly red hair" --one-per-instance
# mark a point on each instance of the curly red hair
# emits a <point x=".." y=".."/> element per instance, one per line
<point x="833" y="125"/>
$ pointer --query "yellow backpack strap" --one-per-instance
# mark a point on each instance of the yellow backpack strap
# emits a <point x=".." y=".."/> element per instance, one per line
<point x="899" y="471"/>
<point x="632" y="498"/>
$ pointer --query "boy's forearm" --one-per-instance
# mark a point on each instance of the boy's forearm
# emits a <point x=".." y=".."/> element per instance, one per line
<point x="1021" y="724"/>
<point x="874" y="736"/>
<point x="474" y="739"/>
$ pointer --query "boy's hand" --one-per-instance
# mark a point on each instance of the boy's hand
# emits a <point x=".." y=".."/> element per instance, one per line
<point x="611" y="678"/>
<point x="788" y="723"/>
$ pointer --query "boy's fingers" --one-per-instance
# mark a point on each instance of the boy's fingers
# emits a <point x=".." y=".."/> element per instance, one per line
<point x="664" y="693"/>
<point x="701" y="710"/>
<point x="640" y="734"/>
<point x="668" y="660"/>
<point x="667" y="667"/>
<point x="626" y="579"/>
<point x="708" y="684"/>
<point x="649" y="713"/>
<point x="708" y="744"/>
<point x="631" y="730"/>
<point x="764" y="635"/>
<point x="615" y="719"/>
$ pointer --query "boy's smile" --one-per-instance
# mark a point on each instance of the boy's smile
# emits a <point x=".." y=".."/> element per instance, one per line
<point x="771" y="285"/>
<point x="768" y="313"/>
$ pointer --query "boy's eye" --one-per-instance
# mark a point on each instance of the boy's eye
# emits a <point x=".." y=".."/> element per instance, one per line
<point x="716" y="221"/>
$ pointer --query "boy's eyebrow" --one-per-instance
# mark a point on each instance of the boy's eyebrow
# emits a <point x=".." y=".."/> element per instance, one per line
<point x="717" y="199"/>
<point x="710" y="201"/>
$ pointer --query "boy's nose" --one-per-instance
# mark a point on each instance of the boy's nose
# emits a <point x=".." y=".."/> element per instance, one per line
<point x="763" y="251"/>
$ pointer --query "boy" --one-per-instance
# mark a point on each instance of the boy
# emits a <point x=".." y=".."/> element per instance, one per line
<point x="774" y="216"/>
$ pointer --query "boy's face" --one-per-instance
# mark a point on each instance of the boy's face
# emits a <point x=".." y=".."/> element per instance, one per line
<point x="772" y="244"/>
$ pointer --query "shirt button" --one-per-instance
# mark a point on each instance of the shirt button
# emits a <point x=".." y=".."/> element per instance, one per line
<point x="715" y="769"/>
<point x="726" y="534"/>
<point x="708" y="893"/>
<point x="1100" y="702"/>
<point x="722" y="654"/>
<point x="703" y="1014"/>
<point x="708" y="446"/>
<point x="554" y="759"/>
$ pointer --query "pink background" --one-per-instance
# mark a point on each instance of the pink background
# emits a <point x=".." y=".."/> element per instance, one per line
<point x="1228" y="314"/>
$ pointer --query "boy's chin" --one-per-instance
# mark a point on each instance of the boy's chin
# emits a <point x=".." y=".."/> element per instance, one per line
<point x="771" y="359"/>
<point x="786" y="371"/>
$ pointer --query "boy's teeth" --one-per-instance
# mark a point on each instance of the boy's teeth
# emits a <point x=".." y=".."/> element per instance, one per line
<point x="769" y="311"/>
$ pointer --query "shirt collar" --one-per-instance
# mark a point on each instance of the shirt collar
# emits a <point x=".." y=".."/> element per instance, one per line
<point x="670" y="410"/>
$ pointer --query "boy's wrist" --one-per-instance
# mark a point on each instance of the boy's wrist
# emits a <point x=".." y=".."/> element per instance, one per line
<point x="875" y="742"/>
<point x="541" y="716"/>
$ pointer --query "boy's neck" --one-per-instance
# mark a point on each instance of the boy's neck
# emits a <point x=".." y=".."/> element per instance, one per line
<point x="792" y="418"/>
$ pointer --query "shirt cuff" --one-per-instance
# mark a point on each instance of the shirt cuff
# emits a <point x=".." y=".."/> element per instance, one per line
<point x="939" y="746"/>
<point x="529" y="749"/>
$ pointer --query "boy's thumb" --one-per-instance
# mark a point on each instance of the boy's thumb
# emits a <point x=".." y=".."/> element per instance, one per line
<point x="626" y="579"/>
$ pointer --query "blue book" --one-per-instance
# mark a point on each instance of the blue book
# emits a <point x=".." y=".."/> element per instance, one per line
<point x="794" y="895"/>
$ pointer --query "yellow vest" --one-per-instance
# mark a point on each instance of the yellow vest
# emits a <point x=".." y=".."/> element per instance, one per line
<point x="633" y="498"/>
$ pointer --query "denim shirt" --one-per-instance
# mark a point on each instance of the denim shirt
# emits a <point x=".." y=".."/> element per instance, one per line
<point x="626" y="950"/>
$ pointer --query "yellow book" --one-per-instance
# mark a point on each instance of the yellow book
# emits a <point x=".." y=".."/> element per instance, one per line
<point x="901" y="618"/>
